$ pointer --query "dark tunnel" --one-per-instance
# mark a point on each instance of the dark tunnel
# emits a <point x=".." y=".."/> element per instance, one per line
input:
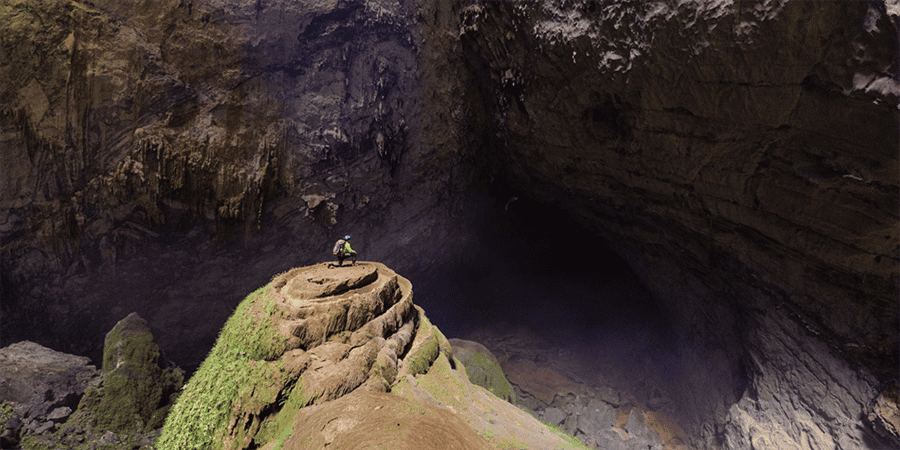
<point x="536" y="267"/>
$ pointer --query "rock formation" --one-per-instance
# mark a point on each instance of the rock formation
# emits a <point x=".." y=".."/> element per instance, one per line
<point x="741" y="156"/>
<point x="598" y="397"/>
<point x="132" y="131"/>
<point x="41" y="387"/>
<point x="303" y="359"/>
<point x="138" y="383"/>
<point x="123" y="405"/>
<point x="483" y="368"/>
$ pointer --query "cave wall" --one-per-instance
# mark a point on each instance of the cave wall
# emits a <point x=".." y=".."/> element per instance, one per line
<point x="743" y="157"/>
<point x="167" y="157"/>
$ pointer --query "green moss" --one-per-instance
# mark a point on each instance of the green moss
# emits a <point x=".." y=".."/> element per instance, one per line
<point x="278" y="427"/>
<point x="282" y="436"/>
<point x="6" y="413"/>
<point x="510" y="444"/>
<point x="223" y="403"/>
<point x="134" y="386"/>
<point x="249" y="332"/>
<point x="484" y="372"/>
<point x="420" y="357"/>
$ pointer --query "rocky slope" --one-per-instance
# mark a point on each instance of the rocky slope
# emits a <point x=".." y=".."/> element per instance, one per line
<point x="741" y="156"/>
<point x="340" y="356"/>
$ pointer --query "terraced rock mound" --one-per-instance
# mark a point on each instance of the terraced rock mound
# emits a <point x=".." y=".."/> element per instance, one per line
<point x="309" y="360"/>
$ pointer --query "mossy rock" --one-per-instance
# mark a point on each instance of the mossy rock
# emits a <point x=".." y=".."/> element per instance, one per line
<point x="222" y="403"/>
<point x="127" y="405"/>
<point x="6" y="415"/>
<point x="426" y="347"/>
<point x="483" y="368"/>
<point x="137" y="385"/>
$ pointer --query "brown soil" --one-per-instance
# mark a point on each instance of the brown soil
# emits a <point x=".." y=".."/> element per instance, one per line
<point x="375" y="420"/>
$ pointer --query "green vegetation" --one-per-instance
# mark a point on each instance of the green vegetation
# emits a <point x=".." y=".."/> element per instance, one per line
<point x="6" y="413"/>
<point x="222" y="404"/>
<point x="131" y="401"/>
<point x="134" y="386"/>
<point x="420" y="357"/>
<point x="485" y="372"/>
<point x="277" y="429"/>
<point x="510" y="444"/>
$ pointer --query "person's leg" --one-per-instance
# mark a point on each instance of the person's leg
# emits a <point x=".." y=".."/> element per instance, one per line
<point x="340" y="260"/>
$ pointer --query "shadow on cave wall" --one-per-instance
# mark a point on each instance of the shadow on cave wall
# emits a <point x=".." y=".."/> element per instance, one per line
<point x="534" y="272"/>
<point x="532" y="266"/>
<point x="529" y="266"/>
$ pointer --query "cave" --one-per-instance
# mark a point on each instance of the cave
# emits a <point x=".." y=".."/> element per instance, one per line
<point x="636" y="183"/>
<point x="533" y="265"/>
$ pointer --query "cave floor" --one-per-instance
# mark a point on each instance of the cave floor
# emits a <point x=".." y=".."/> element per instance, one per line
<point x="608" y="390"/>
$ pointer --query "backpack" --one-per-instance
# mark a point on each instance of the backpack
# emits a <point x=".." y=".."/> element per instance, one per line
<point x="338" y="247"/>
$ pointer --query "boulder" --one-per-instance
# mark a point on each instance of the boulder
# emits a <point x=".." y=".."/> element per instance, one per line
<point x="483" y="368"/>
<point x="127" y="403"/>
<point x="39" y="387"/>
<point x="138" y="383"/>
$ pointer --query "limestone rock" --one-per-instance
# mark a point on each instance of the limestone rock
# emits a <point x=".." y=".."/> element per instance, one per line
<point x="759" y="207"/>
<point x="37" y="380"/>
<point x="483" y="368"/>
<point x="127" y="403"/>
<point x="740" y="155"/>
<point x="297" y="363"/>
<point x="601" y="405"/>
<point x="39" y="386"/>
<point x="366" y="419"/>
<point x="305" y="115"/>
<point x="138" y="383"/>
<point x="885" y="416"/>
<point x="540" y="381"/>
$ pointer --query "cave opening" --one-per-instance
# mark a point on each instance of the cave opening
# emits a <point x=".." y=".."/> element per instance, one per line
<point x="533" y="265"/>
<point x="538" y="284"/>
